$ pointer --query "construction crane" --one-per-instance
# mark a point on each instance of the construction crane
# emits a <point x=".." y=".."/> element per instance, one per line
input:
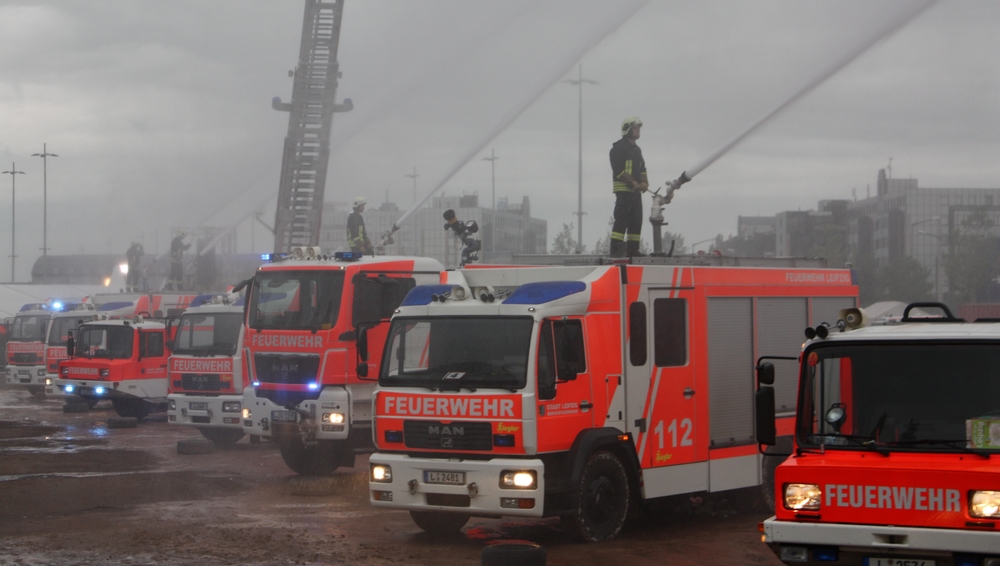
<point x="307" y="145"/>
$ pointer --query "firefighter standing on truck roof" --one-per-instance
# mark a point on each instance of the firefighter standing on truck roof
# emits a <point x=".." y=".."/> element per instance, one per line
<point x="629" y="177"/>
<point x="177" y="247"/>
<point x="356" y="236"/>
<point x="134" y="256"/>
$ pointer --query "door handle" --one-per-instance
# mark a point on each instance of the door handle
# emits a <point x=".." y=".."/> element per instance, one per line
<point x="688" y="393"/>
<point x="586" y="405"/>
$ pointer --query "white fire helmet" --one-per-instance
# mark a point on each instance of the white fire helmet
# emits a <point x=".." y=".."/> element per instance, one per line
<point x="629" y="123"/>
<point x="359" y="201"/>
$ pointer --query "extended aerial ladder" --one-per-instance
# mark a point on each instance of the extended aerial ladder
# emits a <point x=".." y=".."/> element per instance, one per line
<point x="307" y="145"/>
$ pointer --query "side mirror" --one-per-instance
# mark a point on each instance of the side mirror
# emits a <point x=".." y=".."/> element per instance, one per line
<point x="170" y="345"/>
<point x="764" y="405"/>
<point x="70" y="344"/>
<point x="363" y="369"/>
<point x="363" y="343"/>
<point x="765" y="374"/>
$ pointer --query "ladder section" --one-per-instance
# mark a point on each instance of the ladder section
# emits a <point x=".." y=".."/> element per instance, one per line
<point x="306" y="152"/>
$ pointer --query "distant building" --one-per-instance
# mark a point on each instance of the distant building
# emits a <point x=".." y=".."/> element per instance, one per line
<point x="508" y="229"/>
<point x="812" y="232"/>
<point x="749" y="226"/>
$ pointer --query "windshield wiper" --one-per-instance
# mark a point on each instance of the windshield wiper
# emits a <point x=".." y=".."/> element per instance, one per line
<point x="958" y="443"/>
<point x="855" y="439"/>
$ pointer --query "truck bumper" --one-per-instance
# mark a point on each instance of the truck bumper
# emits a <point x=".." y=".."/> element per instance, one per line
<point x="207" y="412"/>
<point x="854" y="543"/>
<point x="478" y="493"/>
<point x="25" y="376"/>
<point x="152" y="390"/>
<point x="325" y="418"/>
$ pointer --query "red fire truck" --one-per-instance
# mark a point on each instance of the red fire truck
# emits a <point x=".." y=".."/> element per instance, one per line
<point x="26" y="348"/>
<point x="62" y="325"/>
<point x="576" y="391"/>
<point x="206" y="376"/>
<point x="896" y="430"/>
<point x="304" y="311"/>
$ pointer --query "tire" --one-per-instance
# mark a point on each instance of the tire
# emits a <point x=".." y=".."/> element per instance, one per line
<point x="131" y="407"/>
<point x="513" y="553"/>
<point x="439" y="523"/>
<point x="222" y="437"/>
<point x="122" y="422"/>
<point x="320" y="459"/>
<point x="604" y="497"/>
<point x="37" y="391"/>
<point x="75" y="408"/>
<point x="195" y="446"/>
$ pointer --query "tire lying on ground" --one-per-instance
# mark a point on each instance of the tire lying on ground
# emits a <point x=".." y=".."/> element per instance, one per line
<point x="513" y="553"/>
<point x="122" y="422"/>
<point x="195" y="446"/>
<point x="75" y="408"/>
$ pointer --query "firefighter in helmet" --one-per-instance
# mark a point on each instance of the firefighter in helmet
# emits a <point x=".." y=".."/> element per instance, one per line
<point x="357" y="238"/>
<point x="629" y="181"/>
<point x="134" y="257"/>
<point x="177" y="248"/>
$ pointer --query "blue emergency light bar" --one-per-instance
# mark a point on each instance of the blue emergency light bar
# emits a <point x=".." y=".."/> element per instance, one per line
<point x="544" y="291"/>
<point x="348" y="256"/>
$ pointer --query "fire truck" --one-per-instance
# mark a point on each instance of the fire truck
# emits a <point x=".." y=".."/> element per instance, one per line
<point x="577" y="391"/>
<point x="62" y="325"/>
<point x="205" y="373"/>
<point x="26" y="347"/>
<point x="304" y="313"/>
<point x="895" y="433"/>
<point x="124" y="360"/>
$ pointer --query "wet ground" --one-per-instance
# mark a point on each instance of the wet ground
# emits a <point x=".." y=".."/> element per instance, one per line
<point x="73" y="491"/>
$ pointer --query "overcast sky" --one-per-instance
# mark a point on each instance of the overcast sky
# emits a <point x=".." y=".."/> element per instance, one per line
<point x="160" y="111"/>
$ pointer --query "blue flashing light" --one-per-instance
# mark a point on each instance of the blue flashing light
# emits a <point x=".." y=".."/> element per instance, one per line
<point x="825" y="554"/>
<point x="967" y="560"/>
<point x="99" y="391"/>
<point x="57" y="305"/>
<point x="424" y="294"/>
<point x="271" y="258"/>
<point x="348" y="256"/>
<point x="393" y="436"/>
<point x="70" y="388"/>
<point x="201" y="300"/>
<point x="313" y="386"/>
<point x="256" y="384"/>
<point x="503" y="440"/>
<point x="543" y="292"/>
<point x="34" y="307"/>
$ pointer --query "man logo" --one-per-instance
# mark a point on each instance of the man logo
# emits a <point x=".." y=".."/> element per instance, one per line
<point x="447" y="442"/>
<point x="446" y="430"/>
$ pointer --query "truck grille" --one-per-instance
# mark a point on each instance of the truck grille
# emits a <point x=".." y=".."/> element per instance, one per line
<point x="287" y="369"/>
<point x="451" y="436"/>
<point x="27" y="358"/>
<point x="200" y="382"/>
<point x="287" y="398"/>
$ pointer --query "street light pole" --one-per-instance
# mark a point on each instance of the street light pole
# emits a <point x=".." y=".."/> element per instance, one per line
<point x="493" y="182"/>
<point x="414" y="177"/>
<point x="579" y="197"/>
<point x="45" y="197"/>
<point x="13" y="171"/>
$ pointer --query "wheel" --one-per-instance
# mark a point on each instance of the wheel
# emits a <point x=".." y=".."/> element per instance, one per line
<point x="222" y="436"/>
<point x="131" y="407"/>
<point x="320" y="459"/>
<point x="603" y="498"/>
<point x="37" y="391"/>
<point x="195" y="446"/>
<point x="439" y="523"/>
<point x="513" y="553"/>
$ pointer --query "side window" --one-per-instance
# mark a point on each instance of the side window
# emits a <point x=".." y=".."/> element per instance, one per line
<point x="151" y="344"/>
<point x="546" y="363"/>
<point x="561" y="355"/>
<point x="670" y="332"/>
<point x="637" y="334"/>
<point x="375" y="298"/>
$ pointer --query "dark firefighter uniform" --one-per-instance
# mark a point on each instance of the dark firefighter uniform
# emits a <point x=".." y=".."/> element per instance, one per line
<point x="357" y="238"/>
<point x="177" y="248"/>
<point x="629" y="174"/>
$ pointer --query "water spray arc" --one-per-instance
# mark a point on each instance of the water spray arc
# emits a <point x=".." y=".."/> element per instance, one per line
<point x="659" y="201"/>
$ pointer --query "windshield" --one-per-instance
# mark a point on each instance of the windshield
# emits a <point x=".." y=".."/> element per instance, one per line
<point x="211" y="334"/>
<point x="114" y="342"/>
<point x="928" y="396"/>
<point x="61" y="326"/>
<point x="454" y="353"/>
<point x="29" y="328"/>
<point x="296" y="300"/>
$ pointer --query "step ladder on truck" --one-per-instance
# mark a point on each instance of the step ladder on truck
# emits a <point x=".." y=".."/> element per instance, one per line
<point x="895" y="450"/>
<point x="578" y="391"/>
<point x="303" y="313"/>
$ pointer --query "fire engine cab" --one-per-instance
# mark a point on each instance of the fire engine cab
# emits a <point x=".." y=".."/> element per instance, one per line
<point x="303" y="315"/>
<point x="896" y="456"/>
<point x="26" y="348"/>
<point x="576" y="391"/>
<point x="62" y="325"/>
<point x="206" y="376"/>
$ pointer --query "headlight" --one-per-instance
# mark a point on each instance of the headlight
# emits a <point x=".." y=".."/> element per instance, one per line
<point x="48" y="381"/>
<point x="247" y="413"/>
<point x="98" y="391"/>
<point x="231" y="407"/>
<point x="518" y="479"/>
<point x="65" y="371"/>
<point x="335" y="418"/>
<point x="171" y="405"/>
<point x="104" y="372"/>
<point x="805" y="496"/>
<point x="985" y="504"/>
<point x="382" y="474"/>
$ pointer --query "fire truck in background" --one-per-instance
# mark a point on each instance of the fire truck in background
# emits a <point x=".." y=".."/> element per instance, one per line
<point x="64" y="324"/>
<point x="26" y="347"/>
<point x="896" y="433"/>
<point x="304" y="313"/>
<point x="577" y="391"/>
<point x="206" y="374"/>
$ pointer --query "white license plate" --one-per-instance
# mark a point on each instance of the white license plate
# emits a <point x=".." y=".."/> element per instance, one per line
<point x="285" y="416"/>
<point x="449" y="478"/>
<point x="899" y="562"/>
<point x="199" y="406"/>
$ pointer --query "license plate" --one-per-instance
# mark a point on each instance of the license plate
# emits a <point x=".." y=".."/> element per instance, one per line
<point x="23" y="372"/>
<point x="449" y="478"/>
<point x="25" y="380"/>
<point x="284" y="416"/>
<point x="898" y="562"/>
<point x="199" y="406"/>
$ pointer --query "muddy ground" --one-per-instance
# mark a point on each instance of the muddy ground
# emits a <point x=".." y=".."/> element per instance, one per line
<point x="73" y="491"/>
